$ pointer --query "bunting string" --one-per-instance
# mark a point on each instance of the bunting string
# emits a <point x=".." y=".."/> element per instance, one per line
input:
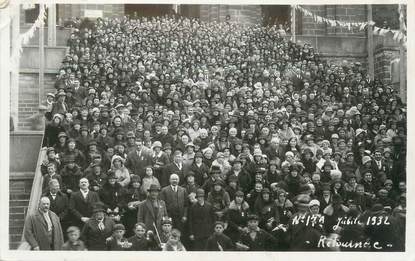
<point x="25" y="37"/>
<point x="398" y="35"/>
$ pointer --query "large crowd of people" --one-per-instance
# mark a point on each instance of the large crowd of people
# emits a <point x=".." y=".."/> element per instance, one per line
<point x="177" y="134"/>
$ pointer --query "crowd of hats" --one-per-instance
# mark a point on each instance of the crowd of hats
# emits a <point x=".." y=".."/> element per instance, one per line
<point x="281" y="99"/>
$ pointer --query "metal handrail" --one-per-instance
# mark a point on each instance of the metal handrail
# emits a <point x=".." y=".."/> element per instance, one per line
<point x="36" y="192"/>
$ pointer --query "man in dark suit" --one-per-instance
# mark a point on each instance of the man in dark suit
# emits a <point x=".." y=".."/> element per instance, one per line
<point x="97" y="229"/>
<point x="59" y="202"/>
<point x="201" y="219"/>
<point x="42" y="229"/>
<point x="81" y="203"/>
<point x="176" y="201"/>
<point x="175" y="167"/>
<point x="138" y="159"/>
<point x="152" y="210"/>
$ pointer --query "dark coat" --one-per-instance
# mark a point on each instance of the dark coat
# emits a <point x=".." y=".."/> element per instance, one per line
<point x="219" y="243"/>
<point x="176" y="203"/>
<point x="141" y="244"/>
<point x="59" y="205"/>
<point x="262" y="242"/>
<point x="35" y="231"/>
<point x="47" y="178"/>
<point x="70" y="178"/>
<point x="201" y="220"/>
<point x="147" y="216"/>
<point x="94" y="238"/>
<point x="199" y="172"/>
<point x="170" y="169"/>
<point x="80" y="207"/>
<point x="113" y="196"/>
<point x="136" y="163"/>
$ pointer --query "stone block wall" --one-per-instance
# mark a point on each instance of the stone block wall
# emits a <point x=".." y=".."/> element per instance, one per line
<point x="29" y="96"/>
<point x="345" y="13"/>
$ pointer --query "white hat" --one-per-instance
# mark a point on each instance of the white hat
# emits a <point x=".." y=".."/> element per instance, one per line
<point x="314" y="202"/>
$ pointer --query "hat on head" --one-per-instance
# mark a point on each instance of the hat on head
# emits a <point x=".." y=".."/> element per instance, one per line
<point x="360" y="131"/>
<point x="239" y="193"/>
<point x="156" y="144"/>
<point x="252" y="217"/>
<point x="314" y="202"/>
<point x="366" y="159"/>
<point x="153" y="187"/>
<point x="98" y="207"/>
<point x="166" y="220"/>
<point x="198" y="155"/>
<point x="118" y="227"/>
<point x="219" y="182"/>
<point x="62" y="134"/>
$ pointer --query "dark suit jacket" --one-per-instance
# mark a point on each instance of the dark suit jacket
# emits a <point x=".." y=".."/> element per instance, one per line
<point x="94" y="238"/>
<point x="136" y="164"/>
<point x="170" y="169"/>
<point x="147" y="216"/>
<point x="176" y="203"/>
<point x="80" y="207"/>
<point x="59" y="205"/>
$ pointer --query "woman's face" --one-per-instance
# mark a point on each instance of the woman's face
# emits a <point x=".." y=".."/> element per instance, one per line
<point x="117" y="163"/>
<point x="149" y="172"/>
<point x="293" y="142"/>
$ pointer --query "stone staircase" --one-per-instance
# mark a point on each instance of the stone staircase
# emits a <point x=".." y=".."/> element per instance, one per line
<point x="20" y="186"/>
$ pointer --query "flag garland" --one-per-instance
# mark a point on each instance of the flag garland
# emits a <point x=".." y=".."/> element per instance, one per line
<point x="398" y="35"/>
<point x="25" y="37"/>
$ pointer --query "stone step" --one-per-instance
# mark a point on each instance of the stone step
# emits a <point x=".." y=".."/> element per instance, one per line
<point x="15" y="238"/>
<point x="16" y="230"/>
<point x="19" y="203"/>
<point x="19" y="196"/>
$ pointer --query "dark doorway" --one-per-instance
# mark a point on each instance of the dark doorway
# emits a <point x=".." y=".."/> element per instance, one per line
<point x="276" y="14"/>
<point x="147" y="10"/>
<point x="32" y="14"/>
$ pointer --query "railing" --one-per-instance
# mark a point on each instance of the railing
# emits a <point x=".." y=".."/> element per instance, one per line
<point x="35" y="194"/>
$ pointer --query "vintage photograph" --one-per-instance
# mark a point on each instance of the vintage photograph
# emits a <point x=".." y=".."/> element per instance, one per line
<point x="205" y="127"/>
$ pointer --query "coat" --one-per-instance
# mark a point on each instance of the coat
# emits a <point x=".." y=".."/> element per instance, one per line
<point x="137" y="162"/>
<point x="176" y="203"/>
<point x="94" y="238"/>
<point x="170" y="169"/>
<point x="147" y="216"/>
<point x="59" y="205"/>
<point x="219" y="243"/>
<point x="35" y="231"/>
<point x="80" y="207"/>
<point x="201" y="220"/>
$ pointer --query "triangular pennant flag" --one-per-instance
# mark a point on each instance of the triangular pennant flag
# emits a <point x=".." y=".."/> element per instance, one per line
<point x="362" y="26"/>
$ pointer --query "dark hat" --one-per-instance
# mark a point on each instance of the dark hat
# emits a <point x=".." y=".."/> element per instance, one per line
<point x="72" y="229"/>
<point x="198" y="155"/>
<point x="252" y="217"/>
<point x="232" y="178"/>
<point x="92" y="143"/>
<point x="219" y="182"/>
<point x="98" y="207"/>
<point x="167" y="146"/>
<point x="118" y="227"/>
<point x="327" y="163"/>
<point x="265" y="191"/>
<point x="111" y="175"/>
<point x="166" y="220"/>
<point x="130" y="134"/>
<point x="239" y="193"/>
<point x="200" y="193"/>
<point x="153" y="187"/>
<point x="135" y="178"/>
<point x="62" y="134"/>
<point x="70" y="159"/>
<point x="50" y="149"/>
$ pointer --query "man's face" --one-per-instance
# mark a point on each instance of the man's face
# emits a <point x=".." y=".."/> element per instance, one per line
<point x="174" y="180"/>
<point x="178" y="158"/>
<point x="54" y="188"/>
<point x="44" y="204"/>
<point x="83" y="184"/>
<point x="154" y="194"/>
